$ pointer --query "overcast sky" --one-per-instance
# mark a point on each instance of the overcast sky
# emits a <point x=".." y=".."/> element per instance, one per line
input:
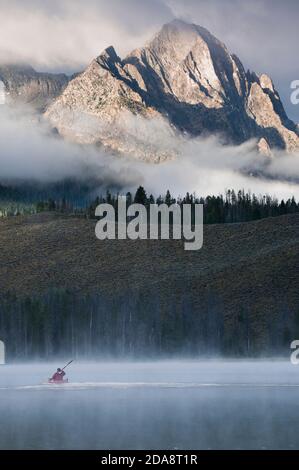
<point x="67" y="34"/>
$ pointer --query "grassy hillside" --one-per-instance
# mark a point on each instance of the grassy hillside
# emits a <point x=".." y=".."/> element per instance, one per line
<point x="242" y="285"/>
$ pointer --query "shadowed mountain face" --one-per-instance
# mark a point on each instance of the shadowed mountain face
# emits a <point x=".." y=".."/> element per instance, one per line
<point x="185" y="75"/>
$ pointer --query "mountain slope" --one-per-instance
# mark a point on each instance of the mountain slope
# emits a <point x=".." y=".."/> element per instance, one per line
<point x="185" y="75"/>
<point x="24" y="85"/>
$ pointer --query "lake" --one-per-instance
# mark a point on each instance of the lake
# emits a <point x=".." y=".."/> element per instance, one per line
<point x="192" y="405"/>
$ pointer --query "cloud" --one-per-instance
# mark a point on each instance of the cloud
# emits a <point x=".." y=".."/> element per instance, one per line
<point x="67" y="34"/>
<point x="207" y="167"/>
<point x="30" y="152"/>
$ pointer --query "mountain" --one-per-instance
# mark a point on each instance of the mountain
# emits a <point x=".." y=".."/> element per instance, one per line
<point x="184" y="76"/>
<point x="23" y="85"/>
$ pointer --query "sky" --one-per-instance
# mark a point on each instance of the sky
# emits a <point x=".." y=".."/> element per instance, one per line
<point x="65" y="35"/>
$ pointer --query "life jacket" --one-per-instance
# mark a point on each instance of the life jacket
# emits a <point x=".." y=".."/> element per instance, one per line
<point x="58" y="376"/>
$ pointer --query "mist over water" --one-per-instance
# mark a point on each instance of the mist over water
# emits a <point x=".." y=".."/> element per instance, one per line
<point x="152" y="405"/>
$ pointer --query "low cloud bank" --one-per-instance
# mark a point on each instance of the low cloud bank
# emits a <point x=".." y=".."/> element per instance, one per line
<point x="30" y="151"/>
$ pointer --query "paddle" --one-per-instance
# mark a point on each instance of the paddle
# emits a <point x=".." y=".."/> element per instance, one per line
<point x="67" y="364"/>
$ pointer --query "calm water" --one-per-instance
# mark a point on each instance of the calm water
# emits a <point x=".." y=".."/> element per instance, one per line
<point x="162" y="405"/>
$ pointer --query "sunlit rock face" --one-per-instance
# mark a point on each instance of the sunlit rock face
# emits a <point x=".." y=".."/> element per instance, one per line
<point x="185" y="77"/>
<point x="264" y="148"/>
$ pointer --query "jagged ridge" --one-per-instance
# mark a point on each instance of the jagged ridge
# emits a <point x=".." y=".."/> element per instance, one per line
<point x="184" y="76"/>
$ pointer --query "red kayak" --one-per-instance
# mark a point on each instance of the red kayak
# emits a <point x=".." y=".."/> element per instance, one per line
<point x="58" y="382"/>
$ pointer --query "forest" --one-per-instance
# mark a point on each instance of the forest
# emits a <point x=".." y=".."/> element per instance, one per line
<point x="231" y="207"/>
<point x="216" y="306"/>
<point x="140" y="325"/>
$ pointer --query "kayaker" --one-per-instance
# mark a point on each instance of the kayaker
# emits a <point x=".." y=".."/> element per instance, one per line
<point x="58" y="376"/>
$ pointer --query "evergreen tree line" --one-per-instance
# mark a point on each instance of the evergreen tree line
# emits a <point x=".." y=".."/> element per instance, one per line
<point x="228" y="208"/>
<point x="139" y="324"/>
<point x="75" y="193"/>
<point x="231" y="207"/>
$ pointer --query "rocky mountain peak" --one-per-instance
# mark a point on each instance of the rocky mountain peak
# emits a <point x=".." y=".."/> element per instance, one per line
<point x="184" y="75"/>
<point x="108" y="57"/>
<point x="189" y="63"/>
<point x="266" y="83"/>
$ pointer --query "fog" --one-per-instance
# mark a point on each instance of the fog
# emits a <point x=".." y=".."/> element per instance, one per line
<point x="157" y="405"/>
<point x="30" y="151"/>
<point x="79" y="30"/>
